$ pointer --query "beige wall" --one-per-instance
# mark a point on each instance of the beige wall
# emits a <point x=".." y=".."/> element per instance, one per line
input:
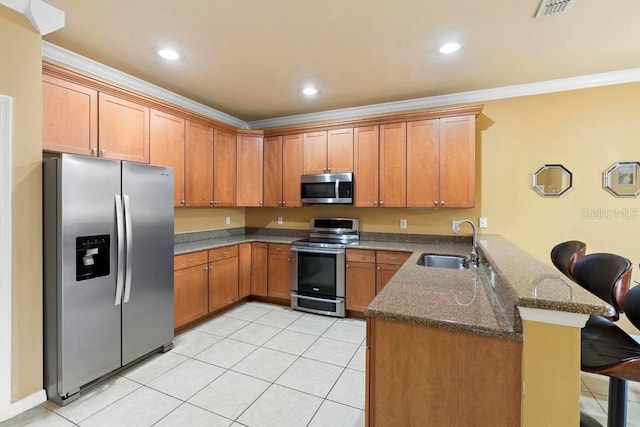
<point x="20" y="78"/>
<point x="198" y="219"/>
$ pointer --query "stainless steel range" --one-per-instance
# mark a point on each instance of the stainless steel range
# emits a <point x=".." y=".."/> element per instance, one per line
<point x="318" y="266"/>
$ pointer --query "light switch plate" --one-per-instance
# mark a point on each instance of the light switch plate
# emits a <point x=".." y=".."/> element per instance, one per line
<point x="280" y="220"/>
<point x="228" y="221"/>
<point x="482" y="222"/>
<point x="403" y="223"/>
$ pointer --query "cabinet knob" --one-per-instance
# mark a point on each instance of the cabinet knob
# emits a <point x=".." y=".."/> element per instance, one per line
<point x="381" y="202"/>
<point x="442" y="202"/>
<point x="375" y="203"/>
<point x="328" y="169"/>
<point x="284" y="203"/>
<point x="211" y="202"/>
<point x="347" y="265"/>
<point x="260" y="202"/>
<point x="289" y="259"/>
<point x="377" y="268"/>
<point x="93" y="150"/>
<point x="103" y="151"/>
<point x="215" y="202"/>
<point x="183" y="201"/>
<point x="435" y="202"/>
<point x="210" y="266"/>
<point x="206" y="267"/>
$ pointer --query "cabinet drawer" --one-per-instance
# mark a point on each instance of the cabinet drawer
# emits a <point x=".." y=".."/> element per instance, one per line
<point x="222" y="253"/>
<point x="397" y="258"/>
<point x="189" y="260"/>
<point x="279" y="248"/>
<point x="361" y="255"/>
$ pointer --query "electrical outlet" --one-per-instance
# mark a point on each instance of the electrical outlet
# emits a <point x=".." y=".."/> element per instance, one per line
<point x="482" y="222"/>
<point x="455" y="226"/>
<point x="228" y="220"/>
<point x="403" y="223"/>
<point x="279" y="220"/>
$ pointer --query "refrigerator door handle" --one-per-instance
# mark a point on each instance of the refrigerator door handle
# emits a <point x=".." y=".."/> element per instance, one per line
<point x="127" y="220"/>
<point x="120" y="237"/>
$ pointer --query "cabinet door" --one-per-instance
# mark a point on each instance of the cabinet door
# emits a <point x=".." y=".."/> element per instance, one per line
<point x="384" y="273"/>
<point x="223" y="283"/>
<point x="259" y="269"/>
<point x="457" y="162"/>
<point x="291" y="170"/>
<point x="393" y="165"/>
<point x="199" y="165"/>
<point x="340" y="150"/>
<point x="250" y="164"/>
<point x="314" y="152"/>
<point x="244" y="270"/>
<point x="273" y="171"/>
<point x="423" y="164"/>
<point x="69" y="117"/>
<point x="123" y="129"/>
<point x="365" y="166"/>
<point x="360" y="284"/>
<point x="166" y="148"/>
<point x="224" y="168"/>
<point x="279" y="271"/>
<point x="190" y="294"/>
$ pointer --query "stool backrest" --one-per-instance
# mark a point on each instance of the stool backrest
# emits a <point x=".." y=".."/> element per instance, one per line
<point x="565" y="254"/>
<point x="632" y="306"/>
<point x="605" y="275"/>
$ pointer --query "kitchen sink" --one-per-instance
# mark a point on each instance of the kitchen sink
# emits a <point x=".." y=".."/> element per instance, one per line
<point x="457" y="262"/>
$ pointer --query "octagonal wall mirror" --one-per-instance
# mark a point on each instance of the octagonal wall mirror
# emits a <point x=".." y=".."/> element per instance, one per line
<point x="552" y="180"/>
<point x="621" y="179"/>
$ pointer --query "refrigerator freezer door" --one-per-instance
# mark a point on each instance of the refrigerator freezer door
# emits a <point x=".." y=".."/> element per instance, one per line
<point x="89" y="334"/>
<point x="147" y="309"/>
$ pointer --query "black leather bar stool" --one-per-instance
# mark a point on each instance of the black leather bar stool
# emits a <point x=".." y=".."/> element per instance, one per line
<point x="605" y="348"/>
<point x="565" y="254"/>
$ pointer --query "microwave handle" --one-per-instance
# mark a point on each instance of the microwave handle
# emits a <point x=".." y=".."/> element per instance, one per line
<point x="337" y="189"/>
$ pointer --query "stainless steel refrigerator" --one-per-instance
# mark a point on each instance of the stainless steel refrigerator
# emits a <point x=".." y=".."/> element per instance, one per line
<point x="108" y="268"/>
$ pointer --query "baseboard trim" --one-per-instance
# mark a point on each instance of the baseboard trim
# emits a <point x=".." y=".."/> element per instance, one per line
<point x="16" y="408"/>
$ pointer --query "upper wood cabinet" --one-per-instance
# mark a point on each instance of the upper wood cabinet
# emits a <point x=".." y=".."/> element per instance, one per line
<point x="123" y="129"/>
<point x="250" y="170"/>
<point x="282" y="170"/>
<point x="224" y="168"/>
<point x="441" y="162"/>
<point x="166" y="148"/>
<point x="328" y="151"/>
<point x="393" y="165"/>
<point x="365" y="166"/>
<point x="199" y="165"/>
<point x="69" y="117"/>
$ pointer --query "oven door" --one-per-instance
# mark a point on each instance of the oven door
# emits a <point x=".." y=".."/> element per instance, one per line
<point x="318" y="280"/>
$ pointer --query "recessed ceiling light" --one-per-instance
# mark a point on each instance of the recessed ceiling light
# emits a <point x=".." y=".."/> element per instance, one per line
<point x="169" y="54"/>
<point x="309" y="91"/>
<point x="449" y="48"/>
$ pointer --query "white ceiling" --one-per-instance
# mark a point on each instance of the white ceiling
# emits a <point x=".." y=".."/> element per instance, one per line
<point x="251" y="58"/>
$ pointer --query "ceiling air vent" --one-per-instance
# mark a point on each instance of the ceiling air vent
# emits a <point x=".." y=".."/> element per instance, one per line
<point x="551" y="7"/>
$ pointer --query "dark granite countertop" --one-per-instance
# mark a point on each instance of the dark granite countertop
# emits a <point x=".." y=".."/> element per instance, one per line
<point x="480" y="300"/>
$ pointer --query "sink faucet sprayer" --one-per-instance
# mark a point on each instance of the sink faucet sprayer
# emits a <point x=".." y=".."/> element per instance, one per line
<point x="455" y="227"/>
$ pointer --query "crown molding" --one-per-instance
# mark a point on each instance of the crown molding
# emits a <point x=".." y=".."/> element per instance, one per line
<point x="536" y="88"/>
<point x="105" y="73"/>
<point x="44" y="17"/>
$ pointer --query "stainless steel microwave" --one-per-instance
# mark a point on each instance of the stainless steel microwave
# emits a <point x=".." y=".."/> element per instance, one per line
<point x="327" y="188"/>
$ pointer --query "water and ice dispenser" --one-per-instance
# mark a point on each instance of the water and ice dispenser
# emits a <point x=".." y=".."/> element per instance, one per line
<point x="92" y="256"/>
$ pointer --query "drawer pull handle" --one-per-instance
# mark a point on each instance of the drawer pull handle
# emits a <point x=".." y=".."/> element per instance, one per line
<point x="393" y="258"/>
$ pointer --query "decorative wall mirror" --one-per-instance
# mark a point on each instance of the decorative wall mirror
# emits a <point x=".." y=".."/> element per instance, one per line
<point x="621" y="179"/>
<point x="552" y="180"/>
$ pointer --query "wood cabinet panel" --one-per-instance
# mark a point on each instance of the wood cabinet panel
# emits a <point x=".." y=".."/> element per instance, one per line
<point x="250" y="172"/>
<point x="361" y="255"/>
<point x="279" y="271"/>
<point x="393" y="165"/>
<point x="223" y="283"/>
<point x="189" y="260"/>
<point x="314" y="152"/>
<point x="340" y="150"/>
<point x="69" y="117"/>
<point x="222" y="253"/>
<point x="360" y="284"/>
<point x="259" y="269"/>
<point x="244" y="273"/>
<point x="388" y="257"/>
<point x="166" y="148"/>
<point x="190" y="294"/>
<point x="273" y="171"/>
<point x="199" y="165"/>
<point x="123" y="129"/>
<point x="384" y="273"/>
<point x="365" y="166"/>
<point x="291" y="170"/>
<point x="423" y="164"/>
<point x="224" y="168"/>
<point x="457" y="162"/>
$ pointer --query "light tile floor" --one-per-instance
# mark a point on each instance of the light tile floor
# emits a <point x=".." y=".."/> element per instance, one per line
<point x="256" y="365"/>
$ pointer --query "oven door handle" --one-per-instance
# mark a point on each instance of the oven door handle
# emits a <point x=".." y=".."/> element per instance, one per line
<point x="317" y="250"/>
<point x="335" y="301"/>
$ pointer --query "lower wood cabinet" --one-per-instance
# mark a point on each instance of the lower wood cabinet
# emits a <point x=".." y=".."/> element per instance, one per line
<point x="223" y="277"/>
<point x="259" y="269"/>
<point x="367" y="273"/>
<point x="279" y="271"/>
<point x="190" y="281"/>
<point x="244" y="270"/>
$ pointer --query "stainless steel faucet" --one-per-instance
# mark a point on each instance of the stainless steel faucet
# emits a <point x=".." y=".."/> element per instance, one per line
<point x="455" y="227"/>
